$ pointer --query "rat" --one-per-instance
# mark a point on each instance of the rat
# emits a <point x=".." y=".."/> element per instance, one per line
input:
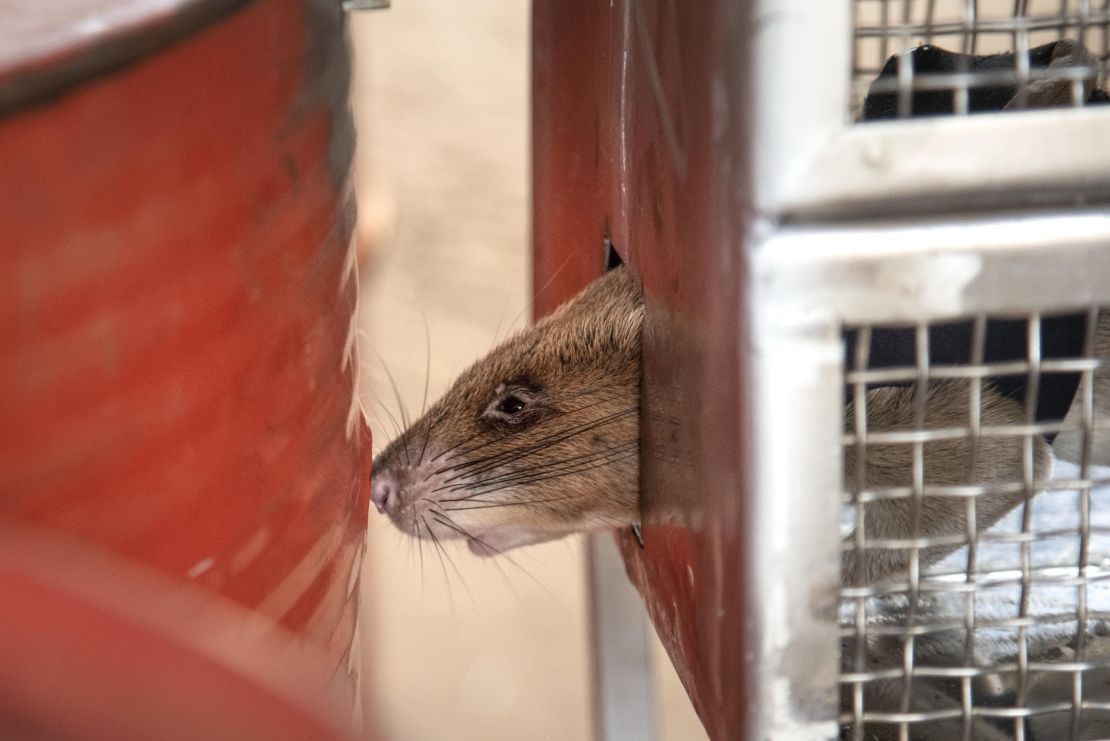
<point x="540" y="439"/>
<point x="537" y="440"/>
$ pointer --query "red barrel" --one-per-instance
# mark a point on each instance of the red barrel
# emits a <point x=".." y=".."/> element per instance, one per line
<point x="177" y="288"/>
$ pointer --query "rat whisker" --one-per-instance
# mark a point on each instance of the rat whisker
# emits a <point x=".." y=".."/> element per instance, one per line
<point x="500" y="321"/>
<point x="455" y="447"/>
<point x="560" y="463"/>
<point x="444" y="519"/>
<point x="445" y="555"/>
<point x="400" y="402"/>
<point x="541" y="478"/>
<point x="491" y="462"/>
<point x="419" y="551"/>
<point x="480" y="465"/>
<point x="516" y="503"/>
<point x="427" y="436"/>
<point x="552" y="470"/>
<point x="449" y="487"/>
<point x="559" y="413"/>
<point x="427" y="363"/>
<point x="392" y="419"/>
<point x="536" y="294"/>
<point x="438" y="550"/>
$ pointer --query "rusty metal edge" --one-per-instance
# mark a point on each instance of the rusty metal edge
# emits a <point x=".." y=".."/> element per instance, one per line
<point x="51" y="74"/>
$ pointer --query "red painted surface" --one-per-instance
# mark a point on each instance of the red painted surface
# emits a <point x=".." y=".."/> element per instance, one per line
<point x="177" y="289"/>
<point x="638" y="130"/>
<point x="96" y="648"/>
<point x="573" y="146"/>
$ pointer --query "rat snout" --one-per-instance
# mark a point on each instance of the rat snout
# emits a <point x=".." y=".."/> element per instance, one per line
<point x="385" y="492"/>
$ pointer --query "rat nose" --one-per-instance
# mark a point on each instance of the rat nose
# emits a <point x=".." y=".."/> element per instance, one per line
<point x="383" y="492"/>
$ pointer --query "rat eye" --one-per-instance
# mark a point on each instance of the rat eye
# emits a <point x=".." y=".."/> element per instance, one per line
<point x="510" y="405"/>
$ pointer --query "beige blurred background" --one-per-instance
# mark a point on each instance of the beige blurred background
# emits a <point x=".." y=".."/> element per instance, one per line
<point x="473" y="648"/>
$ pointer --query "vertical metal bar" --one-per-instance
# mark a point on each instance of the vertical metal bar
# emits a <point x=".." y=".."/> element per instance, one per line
<point x="798" y="373"/>
<point x="1032" y="388"/>
<point x="920" y="398"/>
<point x="975" y="414"/>
<point x="1086" y="389"/>
<point x="884" y="22"/>
<point x="624" y="692"/>
<point x="859" y="403"/>
<point x="1105" y="29"/>
<point x="973" y="13"/>
<point x="1021" y="53"/>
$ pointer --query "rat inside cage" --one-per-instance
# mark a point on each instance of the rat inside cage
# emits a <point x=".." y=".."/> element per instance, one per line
<point x="934" y="57"/>
<point x="975" y="592"/>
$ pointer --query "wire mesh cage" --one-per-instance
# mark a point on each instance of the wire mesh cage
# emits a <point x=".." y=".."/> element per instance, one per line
<point x="931" y="305"/>
<point x="960" y="367"/>
<point x="975" y="598"/>
<point x="920" y="57"/>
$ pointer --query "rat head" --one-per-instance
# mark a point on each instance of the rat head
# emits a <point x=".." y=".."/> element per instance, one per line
<point x="537" y="440"/>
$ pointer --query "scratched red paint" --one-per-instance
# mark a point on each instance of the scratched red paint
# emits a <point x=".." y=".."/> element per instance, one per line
<point x="177" y="289"/>
<point x="637" y="134"/>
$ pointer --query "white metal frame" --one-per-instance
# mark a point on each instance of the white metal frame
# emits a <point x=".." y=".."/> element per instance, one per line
<point x="823" y="260"/>
<point x="811" y="158"/>
<point x="623" y="684"/>
<point x="810" y="281"/>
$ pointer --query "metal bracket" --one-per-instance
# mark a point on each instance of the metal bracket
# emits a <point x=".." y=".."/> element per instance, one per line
<point x="352" y="5"/>
<point x="638" y="534"/>
<point x="624" y="687"/>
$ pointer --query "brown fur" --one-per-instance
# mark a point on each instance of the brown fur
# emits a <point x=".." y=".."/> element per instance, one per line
<point x="570" y="465"/>
<point x="993" y="459"/>
<point x="1069" y="444"/>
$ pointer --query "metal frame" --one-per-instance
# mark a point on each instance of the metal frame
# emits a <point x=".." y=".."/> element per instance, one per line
<point x="354" y="5"/>
<point x="623" y="685"/>
<point x="822" y="261"/>
<point x="813" y="161"/>
<point x="807" y="284"/>
<point x="796" y="358"/>
<point x="910" y="271"/>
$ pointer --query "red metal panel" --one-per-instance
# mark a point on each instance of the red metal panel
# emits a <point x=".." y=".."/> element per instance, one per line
<point x="177" y="288"/>
<point x="95" y="648"/>
<point x="669" y="188"/>
<point x="573" y="63"/>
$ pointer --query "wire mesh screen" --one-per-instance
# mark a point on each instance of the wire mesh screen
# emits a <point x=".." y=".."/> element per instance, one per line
<point x="975" y="590"/>
<point x="934" y="57"/>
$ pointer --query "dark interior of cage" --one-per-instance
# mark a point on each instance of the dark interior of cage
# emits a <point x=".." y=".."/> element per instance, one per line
<point x="917" y="58"/>
<point x="975" y="596"/>
<point x="975" y="519"/>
